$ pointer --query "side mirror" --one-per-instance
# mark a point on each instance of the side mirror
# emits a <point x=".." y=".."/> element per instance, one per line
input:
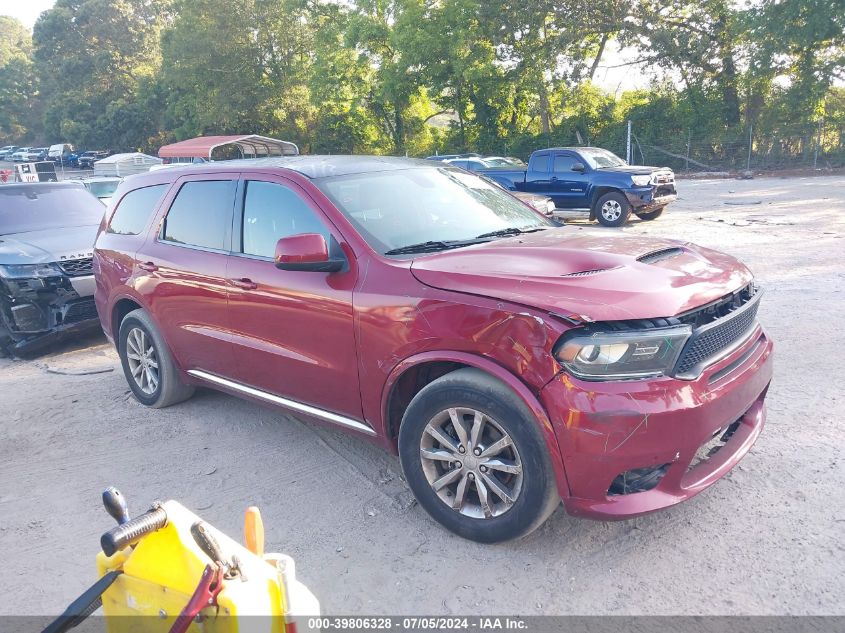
<point x="578" y="167"/>
<point x="306" y="252"/>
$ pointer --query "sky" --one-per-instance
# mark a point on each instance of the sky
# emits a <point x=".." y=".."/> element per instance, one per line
<point x="27" y="11"/>
<point x="613" y="79"/>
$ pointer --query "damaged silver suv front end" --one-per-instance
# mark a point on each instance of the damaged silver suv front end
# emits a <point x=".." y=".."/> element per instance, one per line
<point x="46" y="277"/>
<point x="45" y="302"/>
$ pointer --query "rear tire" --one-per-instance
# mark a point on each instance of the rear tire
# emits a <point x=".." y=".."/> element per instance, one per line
<point x="490" y="480"/>
<point x="612" y="209"/>
<point x="148" y="364"/>
<point x="650" y="215"/>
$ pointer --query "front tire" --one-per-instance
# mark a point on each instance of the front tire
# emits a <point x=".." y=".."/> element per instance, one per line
<point x="148" y="364"/>
<point x="474" y="458"/>
<point x="613" y="209"/>
<point x="650" y="215"/>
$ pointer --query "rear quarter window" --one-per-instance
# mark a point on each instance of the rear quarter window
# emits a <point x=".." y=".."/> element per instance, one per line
<point x="135" y="209"/>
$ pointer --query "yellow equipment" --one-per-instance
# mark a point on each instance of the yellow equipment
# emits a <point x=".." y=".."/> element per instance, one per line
<point x="168" y="562"/>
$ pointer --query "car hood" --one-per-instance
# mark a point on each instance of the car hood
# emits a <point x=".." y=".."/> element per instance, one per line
<point x="588" y="277"/>
<point x="633" y="169"/>
<point x="53" y="245"/>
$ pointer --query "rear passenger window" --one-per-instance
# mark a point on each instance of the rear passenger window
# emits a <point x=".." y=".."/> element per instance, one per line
<point x="541" y="163"/>
<point x="271" y="212"/>
<point x="135" y="209"/>
<point x="201" y="214"/>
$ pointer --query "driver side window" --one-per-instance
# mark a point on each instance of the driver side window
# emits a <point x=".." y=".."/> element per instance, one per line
<point x="563" y="163"/>
<point x="271" y="212"/>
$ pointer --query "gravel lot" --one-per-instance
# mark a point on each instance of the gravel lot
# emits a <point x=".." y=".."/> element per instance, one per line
<point x="767" y="539"/>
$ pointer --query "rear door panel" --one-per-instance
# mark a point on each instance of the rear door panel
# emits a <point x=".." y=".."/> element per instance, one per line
<point x="186" y="288"/>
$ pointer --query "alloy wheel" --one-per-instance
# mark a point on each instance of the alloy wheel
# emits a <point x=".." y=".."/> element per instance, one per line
<point x="142" y="359"/>
<point x="611" y="210"/>
<point x="471" y="463"/>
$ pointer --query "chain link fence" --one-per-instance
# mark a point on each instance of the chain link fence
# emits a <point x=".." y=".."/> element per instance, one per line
<point x="820" y="146"/>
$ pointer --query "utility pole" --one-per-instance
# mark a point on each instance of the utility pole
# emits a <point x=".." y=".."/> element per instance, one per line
<point x="748" y="161"/>
<point x="628" y="145"/>
<point x="689" y="142"/>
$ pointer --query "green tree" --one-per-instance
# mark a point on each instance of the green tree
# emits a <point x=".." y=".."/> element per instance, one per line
<point x="92" y="57"/>
<point x="19" y="103"/>
<point x="238" y="67"/>
<point x="339" y="86"/>
<point x="803" y="40"/>
<point x="381" y="31"/>
<point x="699" y="39"/>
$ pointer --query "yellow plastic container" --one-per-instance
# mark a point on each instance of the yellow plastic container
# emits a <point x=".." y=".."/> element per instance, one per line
<point x="162" y="571"/>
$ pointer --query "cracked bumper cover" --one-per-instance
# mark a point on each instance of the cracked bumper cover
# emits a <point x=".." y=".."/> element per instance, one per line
<point x="647" y="198"/>
<point x="39" y="312"/>
<point x="607" y="428"/>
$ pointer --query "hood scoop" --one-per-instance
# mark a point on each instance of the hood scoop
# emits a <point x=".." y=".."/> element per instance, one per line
<point x="658" y="256"/>
<point x="586" y="273"/>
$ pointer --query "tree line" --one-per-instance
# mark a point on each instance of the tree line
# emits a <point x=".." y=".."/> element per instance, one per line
<point x="423" y="76"/>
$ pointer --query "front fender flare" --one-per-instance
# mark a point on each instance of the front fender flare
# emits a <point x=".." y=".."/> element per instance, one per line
<point x="500" y="373"/>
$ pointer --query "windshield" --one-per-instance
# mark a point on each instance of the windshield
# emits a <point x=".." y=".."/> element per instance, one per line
<point x="41" y="207"/>
<point x="103" y="188"/>
<point x="395" y="209"/>
<point x="599" y="158"/>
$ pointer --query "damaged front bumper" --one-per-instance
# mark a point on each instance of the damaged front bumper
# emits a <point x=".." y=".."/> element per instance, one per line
<point x="633" y="447"/>
<point x="643" y="199"/>
<point x="35" y="312"/>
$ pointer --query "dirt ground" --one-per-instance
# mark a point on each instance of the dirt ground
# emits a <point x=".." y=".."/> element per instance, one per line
<point x="767" y="539"/>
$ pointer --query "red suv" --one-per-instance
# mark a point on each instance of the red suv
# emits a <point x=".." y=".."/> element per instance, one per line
<point x="509" y="361"/>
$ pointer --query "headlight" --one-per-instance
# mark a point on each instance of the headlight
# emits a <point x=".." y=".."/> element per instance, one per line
<point x="641" y="181"/>
<point x="615" y="355"/>
<point x="29" y="271"/>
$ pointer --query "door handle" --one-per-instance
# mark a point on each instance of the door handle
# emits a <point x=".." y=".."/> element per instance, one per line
<point x="554" y="178"/>
<point x="244" y="283"/>
<point x="150" y="267"/>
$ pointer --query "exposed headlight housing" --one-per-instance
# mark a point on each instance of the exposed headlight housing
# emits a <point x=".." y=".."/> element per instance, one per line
<point x="621" y="355"/>
<point x="641" y="181"/>
<point x="29" y="271"/>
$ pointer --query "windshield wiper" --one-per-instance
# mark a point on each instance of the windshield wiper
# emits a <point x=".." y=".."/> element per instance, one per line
<point x="511" y="231"/>
<point x="429" y="246"/>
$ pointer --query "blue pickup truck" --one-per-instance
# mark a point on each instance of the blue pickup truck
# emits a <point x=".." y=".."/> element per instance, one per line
<point x="595" y="179"/>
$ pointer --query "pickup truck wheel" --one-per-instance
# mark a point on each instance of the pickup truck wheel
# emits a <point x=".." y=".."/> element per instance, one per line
<point x="473" y="457"/>
<point x="612" y="209"/>
<point x="650" y="215"/>
<point x="147" y="363"/>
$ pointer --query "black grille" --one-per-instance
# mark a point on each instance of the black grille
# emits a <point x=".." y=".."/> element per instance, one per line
<point x="81" y="311"/>
<point x="77" y="267"/>
<point x="709" y="340"/>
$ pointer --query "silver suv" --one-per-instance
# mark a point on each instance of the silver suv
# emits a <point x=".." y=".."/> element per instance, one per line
<point x="47" y="233"/>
